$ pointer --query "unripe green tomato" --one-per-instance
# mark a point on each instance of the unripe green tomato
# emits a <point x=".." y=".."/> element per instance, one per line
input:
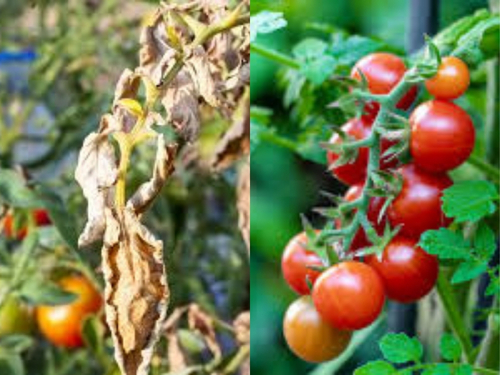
<point x="15" y="317"/>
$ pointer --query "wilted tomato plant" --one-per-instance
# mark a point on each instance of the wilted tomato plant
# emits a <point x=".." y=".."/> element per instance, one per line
<point x="409" y="225"/>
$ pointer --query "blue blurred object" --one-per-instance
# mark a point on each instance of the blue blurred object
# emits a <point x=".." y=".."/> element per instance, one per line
<point x="14" y="70"/>
<point x="27" y="55"/>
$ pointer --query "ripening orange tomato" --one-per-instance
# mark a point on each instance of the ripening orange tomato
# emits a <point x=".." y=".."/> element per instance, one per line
<point x="451" y="80"/>
<point x="62" y="324"/>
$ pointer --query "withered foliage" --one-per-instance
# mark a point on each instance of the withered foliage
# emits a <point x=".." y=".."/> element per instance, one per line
<point x="192" y="54"/>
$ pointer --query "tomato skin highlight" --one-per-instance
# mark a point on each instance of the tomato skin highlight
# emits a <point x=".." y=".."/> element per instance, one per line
<point x="442" y="136"/>
<point x="309" y="336"/>
<point x="407" y="271"/>
<point x="295" y="261"/>
<point x="62" y="324"/>
<point x="417" y="208"/>
<point x="383" y="71"/>
<point x="451" y="80"/>
<point x="355" y="172"/>
<point x="349" y="295"/>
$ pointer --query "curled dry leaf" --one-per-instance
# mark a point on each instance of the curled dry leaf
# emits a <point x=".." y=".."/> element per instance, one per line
<point x="198" y="67"/>
<point x="164" y="167"/>
<point x="242" y="327"/>
<point x="96" y="173"/>
<point x="243" y="203"/>
<point x="235" y="143"/>
<point x="136" y="292"/>
<point x="201" y="322"/>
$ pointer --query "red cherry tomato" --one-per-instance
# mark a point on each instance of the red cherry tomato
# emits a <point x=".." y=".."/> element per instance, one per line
<point x="408" y="272"/>
<point x="295" y="264"/>
<point x="375" y="206"/>
<point x="40" y="216"/>
<point x="451" y="80"/>
<point x="349" y="295"/>
<point x="355" y="172"/>
<point x="383" y="71"/>
<point x="62" y="324"/>
<point x="309" y="336"/>
<point x="442" y="136"/>
<point x="417" y="208"/>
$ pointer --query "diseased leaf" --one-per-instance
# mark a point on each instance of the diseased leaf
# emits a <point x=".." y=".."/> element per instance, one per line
<point x="199" y="68"/>
<point x="164" y="167"/>
<point x="136" y="293"/>
<point x="96" y="173"/>
<point x="202" y="323"/>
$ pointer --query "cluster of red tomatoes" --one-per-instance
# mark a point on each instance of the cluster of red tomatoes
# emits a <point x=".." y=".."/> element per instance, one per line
<point x="350" y="295"/>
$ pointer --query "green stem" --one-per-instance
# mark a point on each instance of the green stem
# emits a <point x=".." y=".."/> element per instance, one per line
<point x="274" y="56"/>
<point x="489" y="170"/>
<point x="455" y="320"/>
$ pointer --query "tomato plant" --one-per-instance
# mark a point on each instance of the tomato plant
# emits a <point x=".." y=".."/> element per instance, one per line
<point x="62" y="324"/>
<point x="408" y="272"/>
<point x="451" y="80"/>
<point x="296" y="264"/>
<point x="349" y="295"/>
<point x="417" y="207"/>
<point x="309" y="336"/>
<point x="442" y="136"/>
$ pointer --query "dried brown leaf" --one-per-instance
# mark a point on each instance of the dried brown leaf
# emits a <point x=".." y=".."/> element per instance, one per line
<point x="243" y="203"/>
<point x="201" y="322"/>
<point x="242" y="328"/>
<point x="164" y="167"/>
<point x="96" y="173"/>
<point x="176" y="358"/>
<point x="181" y="104"/>
<point x="136" y="293"/>
<point x="235" y="143"/>
<point x="199" y="68"/>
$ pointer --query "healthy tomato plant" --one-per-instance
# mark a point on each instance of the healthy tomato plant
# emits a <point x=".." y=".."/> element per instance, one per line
<point x="62" y="324"/>
<point x="451" y="80"/>
<point x="417" y="208"/>
<point x="309" y="336"/>
<point x="349" y="295"/>
<point x="382" y="72"/>
<point x="408" y="272"/>
<point x="442" y="136"/>
<point x="296" y="262"/>
<point x="355" y="171"/>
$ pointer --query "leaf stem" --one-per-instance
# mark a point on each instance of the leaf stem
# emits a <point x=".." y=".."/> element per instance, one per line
<point x="455" y="320"/>
<point x="274" y="56"/>
<point x="489" y="170"/>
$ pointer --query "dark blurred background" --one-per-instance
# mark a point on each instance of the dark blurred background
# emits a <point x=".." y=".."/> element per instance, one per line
<point x="284" y="185"/>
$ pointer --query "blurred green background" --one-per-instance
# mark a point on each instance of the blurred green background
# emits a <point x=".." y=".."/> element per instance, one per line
<point x="284" y="185"/>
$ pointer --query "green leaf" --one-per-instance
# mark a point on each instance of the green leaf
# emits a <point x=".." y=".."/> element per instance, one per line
<point x="464" y="370"/>
<point x="93" y="333"/>
<point x="62" y="219"/>
<point x="16" y="343"/>
<point x="450" y="347"/>
<point x="470" y="200"/>
<point x="494" y="286"/>
<point x="348" y="51"/>
<point x="469" y="270"/>
<point x="376" y="368"/>
<point x="318" y="70"/>
<point x="43" y="292"/>
<point x="309" y="49"/>
<point x="265" y="22"/>
<point x="399" y="348"/>
<point x="440" y="369"/>
<point x="11" y="363"/>
<point x="484" y="242"/>
<point x="14" y="192"/>
<point x="445" y="244"/>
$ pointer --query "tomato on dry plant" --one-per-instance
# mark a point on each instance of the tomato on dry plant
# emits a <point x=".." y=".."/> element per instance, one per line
<point x="40" y="217"/>
<point x="309" y="336"/>
<point x="451" y="80"/>
<point x="349" y="295"/>
<point x="296" y="264"/>
<point x="408" y="272"/>
<point x="62" y="324"/>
